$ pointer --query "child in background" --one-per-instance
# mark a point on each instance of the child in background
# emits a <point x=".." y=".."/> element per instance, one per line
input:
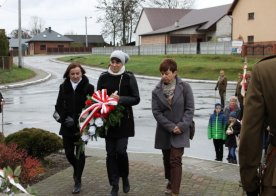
<point x="232" y="131"/>
<point x="216" y="130"/>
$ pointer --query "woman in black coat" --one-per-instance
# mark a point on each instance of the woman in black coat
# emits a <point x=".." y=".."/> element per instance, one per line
<point x="233" y="128"/>
<point x="122" y="85"/>
<point x="70" y="102"/>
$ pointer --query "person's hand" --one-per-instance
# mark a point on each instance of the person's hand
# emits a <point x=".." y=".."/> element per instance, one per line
<point x="69" y="121"/>
<point x="115" y="96"/>
<point x="2" y="102"/>
<point x="176" y="130"/>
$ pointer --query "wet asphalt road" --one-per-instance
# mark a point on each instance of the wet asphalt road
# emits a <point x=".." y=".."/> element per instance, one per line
<point x="32" y="106"/>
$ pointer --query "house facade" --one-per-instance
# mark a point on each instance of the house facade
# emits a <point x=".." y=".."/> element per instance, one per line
<point x="152" y="19"/>
<point x="210" y="24"/>
<point x="254" y="21"/>
<point x="40" y="43"/>
<point x="14" y="42"/>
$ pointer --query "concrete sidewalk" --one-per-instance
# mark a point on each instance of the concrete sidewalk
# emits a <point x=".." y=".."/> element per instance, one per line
<point x="199" y="177"/>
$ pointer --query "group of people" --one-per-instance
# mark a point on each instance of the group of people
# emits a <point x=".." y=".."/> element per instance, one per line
<point x="225" y="123"/>
<point x="172" y="107"/>
<point x="257" y="141"/>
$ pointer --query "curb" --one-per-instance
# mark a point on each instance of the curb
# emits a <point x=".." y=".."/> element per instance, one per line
<point x="149" y="77"/>
<point x="20" y="84"/>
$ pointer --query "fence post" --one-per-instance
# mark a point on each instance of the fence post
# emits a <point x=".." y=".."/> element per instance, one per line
<point x="3" y="63"/>
<point x="274" y="49"/>
<point x="244" y="50"/>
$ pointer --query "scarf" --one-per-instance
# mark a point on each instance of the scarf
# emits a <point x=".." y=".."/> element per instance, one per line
<point x="74" y="85"/>
<point x="168" y="90"/>
<point x="122" y="70"/>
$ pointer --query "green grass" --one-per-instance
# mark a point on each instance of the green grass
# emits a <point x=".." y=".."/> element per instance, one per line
<point x="205" y="67"/>
<point x="15" y="75"/>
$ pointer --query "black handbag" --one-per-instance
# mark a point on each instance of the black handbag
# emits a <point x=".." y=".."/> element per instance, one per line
<point x="192" y="130"/>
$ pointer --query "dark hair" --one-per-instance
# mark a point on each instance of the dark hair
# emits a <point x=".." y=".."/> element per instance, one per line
<point x="116" y="59"/>
<point x="73" y="66"/>
<point x="168" y="64"/>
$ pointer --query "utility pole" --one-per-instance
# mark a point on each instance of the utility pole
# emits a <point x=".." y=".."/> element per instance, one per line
<point x="86" y="40"/>
<point x="19" y="36"/>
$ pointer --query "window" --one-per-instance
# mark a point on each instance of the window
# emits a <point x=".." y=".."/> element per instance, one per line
<point x="43" y="47"/>
<point x="60" y="46"/>
<point x="251" y="16"/>
<point x="250" y="39"/>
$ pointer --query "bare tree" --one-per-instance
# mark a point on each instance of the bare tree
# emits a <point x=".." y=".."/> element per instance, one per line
<point x="171" y="3"/>
<point x="109" y="18"/>
<point x="24" y="34"/>
<point x="118" y="18"/>
<point x="36" y="25"/>
<point x="129" y="11"/>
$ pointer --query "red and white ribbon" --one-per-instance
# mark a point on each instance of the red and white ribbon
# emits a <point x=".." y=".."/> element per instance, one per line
<point x="11" y="179"/>
<point x="102" y="103"/>
<point x="243" y="82"/>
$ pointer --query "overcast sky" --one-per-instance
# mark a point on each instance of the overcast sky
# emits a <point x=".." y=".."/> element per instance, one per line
<point x="64" y="16"/>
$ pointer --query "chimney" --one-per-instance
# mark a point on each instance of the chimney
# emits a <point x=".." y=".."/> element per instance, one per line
<point x="176" y="24"/>
<point x="50" y="29"/>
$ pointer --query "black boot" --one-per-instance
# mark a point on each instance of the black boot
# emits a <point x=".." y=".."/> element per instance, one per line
<point x="77" y="187"/>
<point x="114" y="190"/>
<point x="126" y="186"/>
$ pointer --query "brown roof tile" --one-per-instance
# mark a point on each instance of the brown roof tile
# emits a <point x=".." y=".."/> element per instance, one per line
<point x="204" y="17"/>
<point x="163" y="17"/>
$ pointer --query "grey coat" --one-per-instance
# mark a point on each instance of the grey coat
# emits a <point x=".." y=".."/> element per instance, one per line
<point x="180" y="114"/>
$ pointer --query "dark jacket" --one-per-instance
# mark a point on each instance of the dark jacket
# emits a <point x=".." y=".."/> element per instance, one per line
<point x="221" y="85"/>
<point x="180" y="113"/>
<point x="127" y="88"/>
<point x="70" y="103"/>
<point x="231" y="139"/>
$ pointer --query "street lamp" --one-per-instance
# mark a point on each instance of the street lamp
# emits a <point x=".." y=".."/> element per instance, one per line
<point x="19" y="36"/>
<point x="86" y="41"/>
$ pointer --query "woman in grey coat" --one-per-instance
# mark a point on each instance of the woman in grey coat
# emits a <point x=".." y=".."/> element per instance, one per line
<point x="173" y="109"/>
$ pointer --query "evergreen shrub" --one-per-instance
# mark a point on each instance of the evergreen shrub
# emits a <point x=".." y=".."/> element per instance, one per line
<point x="37" y="142"/>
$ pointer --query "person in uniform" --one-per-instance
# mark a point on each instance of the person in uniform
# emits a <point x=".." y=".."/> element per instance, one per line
<point x="259" y="109"/>
<point x="221" y="86"/>
<point x="1" y="102"/>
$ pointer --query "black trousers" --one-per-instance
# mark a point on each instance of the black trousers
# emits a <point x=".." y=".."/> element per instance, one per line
<point x="71" y="150"/>
<point x="218" y="143"/>
<point x="117" y="159"/>
<point x="222" y="99"/>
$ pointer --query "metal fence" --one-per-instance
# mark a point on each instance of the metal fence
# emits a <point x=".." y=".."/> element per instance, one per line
<point x="215" y="47"/>
<point x="161" y="49"/>
<point x="260" y="49"/>
<point x="68" y="50"/>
